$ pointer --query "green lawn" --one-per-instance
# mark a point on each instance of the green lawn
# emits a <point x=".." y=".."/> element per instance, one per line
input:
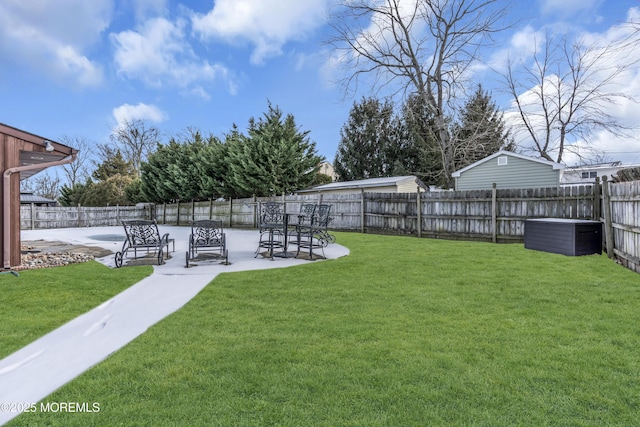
<point x="41" y="300"/>
<point x="402" y="332"/>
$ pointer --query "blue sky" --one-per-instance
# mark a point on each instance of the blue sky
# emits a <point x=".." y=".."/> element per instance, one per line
<point x="76" y="68"/>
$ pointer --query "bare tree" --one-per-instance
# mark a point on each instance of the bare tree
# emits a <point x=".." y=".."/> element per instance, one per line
<point x="416" y="47"/>
<point x="135" y="140"/>
<point x="45" y="185"/>
<point x="568" y="90"/>
<point x="77" y="171"/>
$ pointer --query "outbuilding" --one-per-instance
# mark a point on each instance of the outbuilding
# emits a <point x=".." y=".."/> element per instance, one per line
<point x="508" y="170"/>
<point x="393" y="184"/>
<point x="35" y="200"/>
<point x="22" y="154"/>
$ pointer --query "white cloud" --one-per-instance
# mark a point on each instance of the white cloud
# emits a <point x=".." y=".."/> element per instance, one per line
<point x="158" y="54"/>
<point x="567" y="8"/>
<point x="625" y="147"/>
<point x="52" y="35"/>
<point x="521" y="46"/>
<point x="127" y="112"/>
<point x="148" y="8"/>
<point x="527" y="40"/>
<point x="603" y="148"/>
<point x="267" y="24"/>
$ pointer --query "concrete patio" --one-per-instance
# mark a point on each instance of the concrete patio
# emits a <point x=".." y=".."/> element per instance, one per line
<point x="35" y="371"/>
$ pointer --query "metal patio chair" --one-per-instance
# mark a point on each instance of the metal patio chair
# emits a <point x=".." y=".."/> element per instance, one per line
<point x="315" y="235"/>
<point x="272" y="226"/>
<point x="207" y="241"/>
<point x="143" y="235"/>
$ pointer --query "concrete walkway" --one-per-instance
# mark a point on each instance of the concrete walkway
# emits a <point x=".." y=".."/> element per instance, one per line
<point x="34" y="372"/>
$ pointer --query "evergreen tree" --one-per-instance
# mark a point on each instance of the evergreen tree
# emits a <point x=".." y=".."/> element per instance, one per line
<point x="114" y="164"/>
<point x="274" y="158"/>
<point x="108" y="192"/>
<point x="191" y="169"/>
<point x="481" y="130"/>
<point x="209" y="156"/>
<point x="365" y="140"/>
<point x="134" y="193"/>
<point x="73" y="196"/>
<point x="112" y="176"/>
<point x="417" y="151"/>
<point x="157" y="179"/>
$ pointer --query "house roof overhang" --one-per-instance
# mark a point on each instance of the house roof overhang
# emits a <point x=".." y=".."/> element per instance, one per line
<point x="43" y="151"/>
<point x="26" y="154"/>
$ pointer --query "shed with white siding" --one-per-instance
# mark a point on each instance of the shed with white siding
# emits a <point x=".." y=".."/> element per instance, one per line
<point x="508" y="170"/>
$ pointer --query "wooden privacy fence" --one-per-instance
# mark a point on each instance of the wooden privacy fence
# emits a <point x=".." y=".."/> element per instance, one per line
<point x="490" y="215"/>
<point x="35" y="217"/>
<point x="623" y="200"/>
<point x="485" y="215"/>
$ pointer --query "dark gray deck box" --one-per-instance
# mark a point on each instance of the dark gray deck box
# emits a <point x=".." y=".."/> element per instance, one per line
<point x="563" y="236"/>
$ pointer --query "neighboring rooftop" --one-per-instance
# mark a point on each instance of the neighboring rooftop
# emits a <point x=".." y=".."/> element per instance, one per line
<point x="367" y="183"/>
<point x="29" y="198"/>
<point x="586" y="174"/>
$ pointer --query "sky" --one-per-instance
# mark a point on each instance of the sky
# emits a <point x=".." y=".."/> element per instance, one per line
<point x="78" y="68"/>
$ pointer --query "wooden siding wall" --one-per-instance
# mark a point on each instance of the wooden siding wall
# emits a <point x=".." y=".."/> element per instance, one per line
<point x="10" y="157"/>
<point x="517" y="173"/>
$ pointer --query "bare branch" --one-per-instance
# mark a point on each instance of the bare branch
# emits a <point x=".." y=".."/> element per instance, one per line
<point x="422" y="47"/>
<point x="135" y="140"/>
<point x="77" y="170"/>
<point x="566" y="94"/>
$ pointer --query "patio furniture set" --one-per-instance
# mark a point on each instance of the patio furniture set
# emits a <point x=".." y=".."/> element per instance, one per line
<point x="306" y="229"/>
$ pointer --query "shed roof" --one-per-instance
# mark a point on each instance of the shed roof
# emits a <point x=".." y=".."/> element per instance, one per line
<point x="365" y="183"/>
<point x="554" y="165"/>
<point x="33" y="198"/>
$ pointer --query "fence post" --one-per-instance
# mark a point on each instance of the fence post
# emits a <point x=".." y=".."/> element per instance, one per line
<point x="33" y="216"/>
<point x="210" y="208"/>
<point x="193" y="210"/>
<point x="117" y="214"/>
<point x="230" y="210"/>
<point x="362" y="210"/>
<point x="178" y="214"/>
<point x="419" y="206"/>
<point x="608" y="225"/>
<point x="255" y="211"/>
<point x="596" y="200"/>
<point x="79" y="211"/>
<point x="494" y="214"/>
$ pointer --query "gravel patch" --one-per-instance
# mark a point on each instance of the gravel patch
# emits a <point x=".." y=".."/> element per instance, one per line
<point x="45" y="254"/>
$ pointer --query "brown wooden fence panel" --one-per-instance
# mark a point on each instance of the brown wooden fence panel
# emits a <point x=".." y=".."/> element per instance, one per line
<point x="40" y="217"/>
<point x="467" y="215"/>
<point x="625" y="218"/>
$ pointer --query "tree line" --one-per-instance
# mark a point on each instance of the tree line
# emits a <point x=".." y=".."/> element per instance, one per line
<point x="273" y="157"/>
<point x="378" y="142"/>
<point x="420" y="54"/>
